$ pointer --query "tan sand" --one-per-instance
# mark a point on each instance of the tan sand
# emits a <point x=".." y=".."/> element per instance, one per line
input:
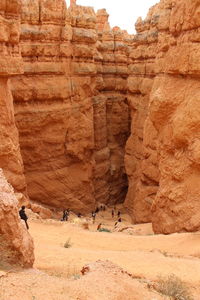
<point x="141" y="253"/>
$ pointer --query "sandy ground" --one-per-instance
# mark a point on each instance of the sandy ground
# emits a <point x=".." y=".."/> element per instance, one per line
<point x="140" y="252"/>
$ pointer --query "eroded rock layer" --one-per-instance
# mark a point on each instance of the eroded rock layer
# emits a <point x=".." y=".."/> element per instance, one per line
<point x="162" y="154"/>
<point x="82" y="83"/>
<point x="175" y="113"/>
<point x="10" y="65"/>
<point x="70" y="106"/>
<point x="141" y="157"/>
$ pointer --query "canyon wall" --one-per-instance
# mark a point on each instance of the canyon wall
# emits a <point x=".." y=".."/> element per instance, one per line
<point x="175" y="113"/>
<point x="11" y="64"/>
<point x="141" y="156"/>
<point x="162" y="153"/>
<point x="72" y="125"/>
<point x="85" y="89"/>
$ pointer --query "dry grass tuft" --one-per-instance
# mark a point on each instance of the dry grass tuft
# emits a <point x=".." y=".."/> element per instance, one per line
<point x="68" y="244"/>
<point x="174" y="287"/>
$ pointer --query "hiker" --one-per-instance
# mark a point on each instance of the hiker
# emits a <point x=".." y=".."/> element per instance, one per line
<point x="79" y="215"/>
<point x="93" y="216"/>
<point x="23" y="216"/>
<point x="97" y="210"/>
<point x="65" y="215"/>
<point x="113" y="213"/>
<point x="118" y="221"/>
<point x="119" y="214"/>
<point x="99" y="227"/>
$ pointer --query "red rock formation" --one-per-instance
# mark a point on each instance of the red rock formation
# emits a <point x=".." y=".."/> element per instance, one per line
<point x="16" y="245"/>
<point x="174" y="111"/>
<point x="111" y="112"/>
<point x="68" y="162"/>
<point x="141" y="157"/>
<point x="10" y="65"/>
<point x="72" y="109"/>
<point x="53" y="107"/>
<point x="165" y="135"/>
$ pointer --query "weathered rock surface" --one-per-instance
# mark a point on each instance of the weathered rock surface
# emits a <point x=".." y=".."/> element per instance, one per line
<point x="16" y="245"/>
<point x="175" y="113"/>
<point x="162" y="152"/>
<point x="141" y="156"/>
<point x="10" y="64"/>
<point x="82" y="80"/>
<point x="72" y="125"/>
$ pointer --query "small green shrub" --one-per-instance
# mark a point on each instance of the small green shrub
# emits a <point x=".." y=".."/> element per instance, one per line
<point x="174" y="287"/>
<point x="68" y="244"/>
<point x="104" y="230"/>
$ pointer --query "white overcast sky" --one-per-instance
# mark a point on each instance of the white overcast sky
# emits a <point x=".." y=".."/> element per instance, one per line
<point x="122" y="13"/>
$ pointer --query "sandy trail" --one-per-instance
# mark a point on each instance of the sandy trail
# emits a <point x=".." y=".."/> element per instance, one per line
<point x="143" y="254"/>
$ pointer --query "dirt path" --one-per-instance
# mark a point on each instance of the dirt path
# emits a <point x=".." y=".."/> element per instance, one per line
<point x="144" y="255"/>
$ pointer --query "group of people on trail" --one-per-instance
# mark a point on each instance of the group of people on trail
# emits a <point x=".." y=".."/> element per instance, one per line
<point x="66" y="213"/>
<point x="118" y="215"/>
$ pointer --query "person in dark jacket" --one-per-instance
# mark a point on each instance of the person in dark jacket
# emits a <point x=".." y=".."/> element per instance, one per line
<point x="23" y="216"/>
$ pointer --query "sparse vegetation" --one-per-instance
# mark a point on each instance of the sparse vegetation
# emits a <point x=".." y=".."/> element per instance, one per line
<point x="174" y="287"/>
<point x="68" y="243"/>
<point x="104" y="230"/>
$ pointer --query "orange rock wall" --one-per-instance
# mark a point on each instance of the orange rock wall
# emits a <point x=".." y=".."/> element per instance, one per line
<point x="82" y="82"/>
<point x="162" y="152"/>
<point x="175" y="113"/>
<point x="111" y="111"/>
<point x="10" y="65"/>
<point x="141" y="156"/>
<point x="72" y="126"/>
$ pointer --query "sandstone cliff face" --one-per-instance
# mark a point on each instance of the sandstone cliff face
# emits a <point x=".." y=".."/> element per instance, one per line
<point x="111" y="111"/>
<point x="10" y="65"/>
<point x="60" y="107"/>
<point x="53" y="107"/>
<point x="16" y="245"/>
<point x="82" y="81"/>
<point x="175" y="113"/>
<point x="162" y="152"/>
<point x="141" y="156"/>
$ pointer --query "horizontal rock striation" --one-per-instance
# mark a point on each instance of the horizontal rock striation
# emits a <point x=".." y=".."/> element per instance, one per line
<point x="86" y="88"/>
<point x="10" y="65"/>
<point x="72" y="126"/>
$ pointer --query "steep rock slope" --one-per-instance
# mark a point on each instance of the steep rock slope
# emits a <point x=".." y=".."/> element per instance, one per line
<point x="53" y="108"/>
<point x="111" y="112"/>
<point x="141" y="156"/>
<point x="10" y="65"/>
<point x="16" y="245"/>
<point x="60" y="107"/>
<point x="175" y="113"/>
